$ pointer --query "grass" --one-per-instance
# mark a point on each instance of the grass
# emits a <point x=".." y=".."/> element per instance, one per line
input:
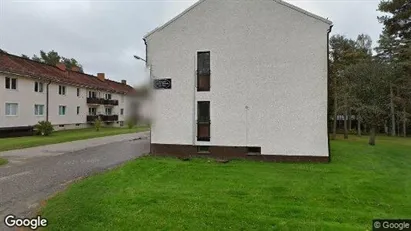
<point x="362" y="183"/>
<point x="62" y="136"/>
<point x="3" y="161"/>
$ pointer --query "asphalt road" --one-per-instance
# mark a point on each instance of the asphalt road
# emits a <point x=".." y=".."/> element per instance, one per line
<point x="24" y="184"/>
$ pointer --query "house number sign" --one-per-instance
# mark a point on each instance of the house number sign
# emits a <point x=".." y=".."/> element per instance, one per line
<point x="162" y="84"/>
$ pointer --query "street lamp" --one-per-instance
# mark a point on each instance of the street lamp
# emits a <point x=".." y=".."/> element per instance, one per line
<point x="139" y="58"/>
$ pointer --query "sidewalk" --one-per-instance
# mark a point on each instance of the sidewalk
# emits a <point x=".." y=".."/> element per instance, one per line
<point x="61" y="148"/>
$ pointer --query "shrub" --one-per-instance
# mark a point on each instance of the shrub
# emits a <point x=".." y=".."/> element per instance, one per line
<point x="43" y="128"/>
<point x="97" y="124"/>
<point x="130" y="124"/>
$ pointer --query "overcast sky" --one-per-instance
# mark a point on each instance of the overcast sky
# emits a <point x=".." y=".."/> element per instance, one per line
<point x="104" y="35"/>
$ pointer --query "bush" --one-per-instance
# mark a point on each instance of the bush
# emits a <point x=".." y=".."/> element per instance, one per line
<point x="97" y="124"/>
<point x="130" y="124"/>
<point x="43" y="128"/>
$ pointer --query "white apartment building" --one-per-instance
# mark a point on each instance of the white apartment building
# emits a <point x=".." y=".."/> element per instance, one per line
<point x="31" y="92"/>
<point x="241" y="79"/>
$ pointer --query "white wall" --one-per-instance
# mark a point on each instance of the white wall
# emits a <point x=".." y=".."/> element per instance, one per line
<point x="264" y="55"/>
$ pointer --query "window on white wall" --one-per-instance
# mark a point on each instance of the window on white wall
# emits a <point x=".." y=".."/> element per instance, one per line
<point x="11" y="83"/>
<point x="108" y="111"/>
<point x="78" y="110"/>
<point x="78" y="92"/>
<point x="107" y="96"/>
<point x="62" y="90"/>
<point x="11" y="109"/>
<point x="38" y="87"/>
<point x="62" y="110"/>
<point x="122" y="111"/>
<point x="38" y="110"/>
<point x="92" y="111"/>
<point x="92" y="94"/>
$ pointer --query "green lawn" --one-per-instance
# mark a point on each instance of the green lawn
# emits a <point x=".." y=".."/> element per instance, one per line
<point x="362" y="183"/>
<point x="3" y="161"/>
<point x="62" y="136"/>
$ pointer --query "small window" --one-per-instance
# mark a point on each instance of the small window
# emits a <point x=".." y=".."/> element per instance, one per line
<point x="107" y="96"/>
<point x="92" y="94"/>
<point x="11" y="109"/>
<point x="62" y="110"/>
<point x="122" y="111"/>
<point x="11" y="83"/>
<point x="78" y="92"/>
<point x="108" y="110"/>
<point x="77" y="125"/>
<point x="203" y="149"/>
<point x="62" y="126"/>
<point x="38" y="87"/>
<point x="121" y="123"/>
<point x="62" y="90"/>
<point x="254" y="150"/>
<point x="78" y="110"/>
<point x="92" y="111"/>
<point x="38" y="110"/>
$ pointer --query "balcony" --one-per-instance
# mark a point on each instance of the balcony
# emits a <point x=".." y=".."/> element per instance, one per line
<point x="102" y="101"/>
<point x="104" y="118"/>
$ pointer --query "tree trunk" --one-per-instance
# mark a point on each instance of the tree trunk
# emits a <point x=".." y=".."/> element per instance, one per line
<point x="398" y="128"/>
<point x="349" y="120"/>
<point x="335" y="113"/>
<point x="358" y="124"/>
<point x="372" y="135"/>
<point x="404" y="123"/>
<point x="392" y="111"/>
<point x="345" y="125"/>
<point x="365" y="128"/>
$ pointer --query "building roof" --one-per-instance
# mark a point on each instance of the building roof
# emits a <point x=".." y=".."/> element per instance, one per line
<point x="201" y="1"/>
<point x="12" y="64"/>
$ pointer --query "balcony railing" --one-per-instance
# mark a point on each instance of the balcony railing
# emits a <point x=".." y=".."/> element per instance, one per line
<point x="203" y="130"/>
<point x="203" y="80"/>
<point x="104" y="118"/>
<point x="102" y="101"/>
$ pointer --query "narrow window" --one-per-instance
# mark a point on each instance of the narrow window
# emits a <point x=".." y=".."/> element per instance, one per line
<point x="78" y="110"/>
<point x="62" y="110"/>
<point x="38" y="110"/>
<point x="203" y="71"/>
<point x="7" y="83"/>
<point x="40" y="87"/>
<point x="11" y="109"/>
<point x="203" y="121"/>
<point x="78" y="92"/>
<point x="14" y="84"/>
<point x="122" y="111"/>
<point x="108" y="96"/>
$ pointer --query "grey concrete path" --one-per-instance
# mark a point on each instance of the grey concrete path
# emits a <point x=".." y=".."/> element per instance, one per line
<point x="58" y="149"/>
<point x="43" y="171"/>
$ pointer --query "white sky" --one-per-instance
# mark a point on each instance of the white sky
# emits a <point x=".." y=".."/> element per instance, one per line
<point x="103" y="35"/>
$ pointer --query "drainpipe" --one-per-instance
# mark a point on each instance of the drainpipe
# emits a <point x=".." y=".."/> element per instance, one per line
<point x="147" y="65"/>
<point x="328" y="90"/>
<point x="47" y="101"/>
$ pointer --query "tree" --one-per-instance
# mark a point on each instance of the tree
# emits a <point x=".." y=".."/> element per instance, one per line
<point x="53" y="58"/>
<point x="370" y="90"/>
<point x="398" y="23"/>
<point x="25" y="56"/>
